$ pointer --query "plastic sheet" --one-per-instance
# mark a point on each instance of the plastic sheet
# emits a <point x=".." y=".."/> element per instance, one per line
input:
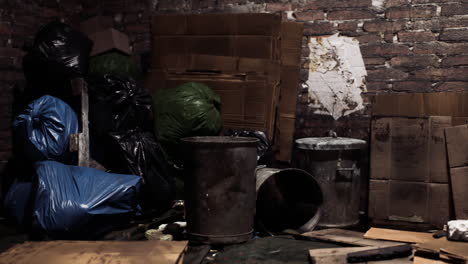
<point x="265" y="155"/>
<point x="58" y="54"/>
<point x="191" y="109"/>
<point x="144" y="156"/>
<point x="43" y="130"/>
<point x="117" y="104"/>
<point x="82" y="203"/>
<point x="115" y="63"/>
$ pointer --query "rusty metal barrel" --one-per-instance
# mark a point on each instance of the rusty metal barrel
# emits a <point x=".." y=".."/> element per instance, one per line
<point x="287" y="199"/>
<point x="219" y="176"/>
<point x="335" y="162"/>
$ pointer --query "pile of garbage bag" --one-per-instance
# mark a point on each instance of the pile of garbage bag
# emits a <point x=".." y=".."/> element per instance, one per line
<point x="43" y="191"/>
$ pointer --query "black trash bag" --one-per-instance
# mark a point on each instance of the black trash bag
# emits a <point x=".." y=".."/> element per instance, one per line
<point x="59" y="53"/>
<point x="143" y="156"/>
<point x="265" y="155"/>
<point x="118" y="104"/>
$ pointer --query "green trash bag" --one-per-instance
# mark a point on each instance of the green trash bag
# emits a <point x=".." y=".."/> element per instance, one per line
<point x="191" y="109"/>
<point x="114" y="63"/>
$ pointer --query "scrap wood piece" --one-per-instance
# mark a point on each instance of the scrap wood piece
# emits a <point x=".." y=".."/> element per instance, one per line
<point x="422" y="260"/>
<point x="398" y="235"/>
<point x="347" y="237"/>
<point x="446" y="249"/>
<point x="94" y="252"/>
<point x="383" y="253"/>
<point x="333" y="255"/>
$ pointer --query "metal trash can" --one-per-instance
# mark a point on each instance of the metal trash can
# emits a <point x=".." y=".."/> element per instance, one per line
<point x="335" y="162"/>
<point x="219" y="176"/>
<point x="287" y="199"/>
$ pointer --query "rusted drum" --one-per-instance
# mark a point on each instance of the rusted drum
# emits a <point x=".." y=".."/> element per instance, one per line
<point x="335" y="162"/>
<point x="287" y="199"/>
<point x="219" y="175"/>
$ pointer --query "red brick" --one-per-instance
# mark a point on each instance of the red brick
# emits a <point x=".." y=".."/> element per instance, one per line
<point x="137" y="28"/>
<point x="376" y="86"/>
<point x="386" y="74"/>
<point x="276" y="7"/>
<point x="310" y="15"/>
<point x="415" y="36"/>
<point x="367" y="38"/>
<point x="412" y="86"/>
<point x="384" y="49"/>
<point x="141" y="47"/>
<point x="320" y="4"/>
<point x="454" y="35"/>
<point x="384" y="26"/>
<point x="455" y="61"/>
<point x="454" y="9"/>
<point x="8" y="63"/>
<point x="431" y="1"/>
<point x="395" y="3"/>
<point x="311" y="29"/>
<point x="455" y="74"/>
<point x="11" y="76"/>
<point x="438" y="24"/>
<point x="440" y="48"/>
<point x="350" y="14"/>
<point x="414" y="62"/>
<point x="374" y="61"/>
<point x="411" y="12"/>
<point x="452" y="87"/>
<point x="347" y="26"/>
<point x="388" y="37"/>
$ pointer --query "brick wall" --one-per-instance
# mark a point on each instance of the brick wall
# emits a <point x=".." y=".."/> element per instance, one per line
<point x="408" y="45"/>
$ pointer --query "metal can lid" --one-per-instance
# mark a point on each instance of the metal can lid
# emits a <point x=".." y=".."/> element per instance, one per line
<point x="330" y="143"/>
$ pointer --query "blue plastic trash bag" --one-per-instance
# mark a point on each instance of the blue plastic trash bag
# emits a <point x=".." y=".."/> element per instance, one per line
<point x="43" y="130"/>
<point x="82" y="203"/>
<point x="17" y="203"/>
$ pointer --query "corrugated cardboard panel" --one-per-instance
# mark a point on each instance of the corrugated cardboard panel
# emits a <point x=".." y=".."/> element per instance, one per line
<point x="437" y="150"/>
<point x="408" y="201"/>
<point x="217" y="24"/>
<point x="459" y="177"/>
<point x="421" y="104"/>
<point x="381" y="153"/>
<point x="457" y="145"/>
<point x="285" y="137"/>
<point x="291" y="43"/>
<point x="234" y="46"/>
<point x="378" y="199"/>
<point x="439" y="204"/>
<point x="409" y="150"/>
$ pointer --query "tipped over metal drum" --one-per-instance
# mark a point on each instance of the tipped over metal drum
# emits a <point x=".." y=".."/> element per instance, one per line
<point x="219" y="176"/>
<point x="287" y="199"/>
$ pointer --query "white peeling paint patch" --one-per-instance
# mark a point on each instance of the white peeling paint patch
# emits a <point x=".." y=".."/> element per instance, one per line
<point x="337" y="76"/>
<point x="378" y="4"/>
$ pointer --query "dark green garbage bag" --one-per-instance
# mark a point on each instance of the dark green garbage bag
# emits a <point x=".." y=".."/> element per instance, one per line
<point x="114" y="63"/>
<point x="191" y="109"/>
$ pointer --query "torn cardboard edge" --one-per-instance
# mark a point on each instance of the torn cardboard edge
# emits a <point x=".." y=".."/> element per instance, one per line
<point x="398" y="235"/>
<point x="109" y="39"/>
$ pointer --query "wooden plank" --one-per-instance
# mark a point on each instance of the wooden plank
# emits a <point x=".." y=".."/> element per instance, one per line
<point x="334" y="255"/>
<point x="421" y="260"/>
<point x="94" y="252"/>
<point x="457" y="145"/>
<point x="398" y="235"/>
<point x="445" y="248"/>
<point x="348" y="237"/>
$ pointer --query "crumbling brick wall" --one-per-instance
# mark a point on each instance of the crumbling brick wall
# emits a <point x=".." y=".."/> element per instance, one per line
<point x="407" y="45"/>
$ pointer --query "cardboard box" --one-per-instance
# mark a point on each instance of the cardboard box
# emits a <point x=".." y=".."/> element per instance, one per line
<point x="421" y="104"/>
<point x="409" y="175"/>
<point x="109" y="39"/>
<point x="96" y="24"/>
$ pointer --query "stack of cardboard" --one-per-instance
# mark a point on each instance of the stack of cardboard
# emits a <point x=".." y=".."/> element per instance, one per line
<point x="409" y="173"/>
<point x="99" y="30"/>
<point x="250" y="60"/>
